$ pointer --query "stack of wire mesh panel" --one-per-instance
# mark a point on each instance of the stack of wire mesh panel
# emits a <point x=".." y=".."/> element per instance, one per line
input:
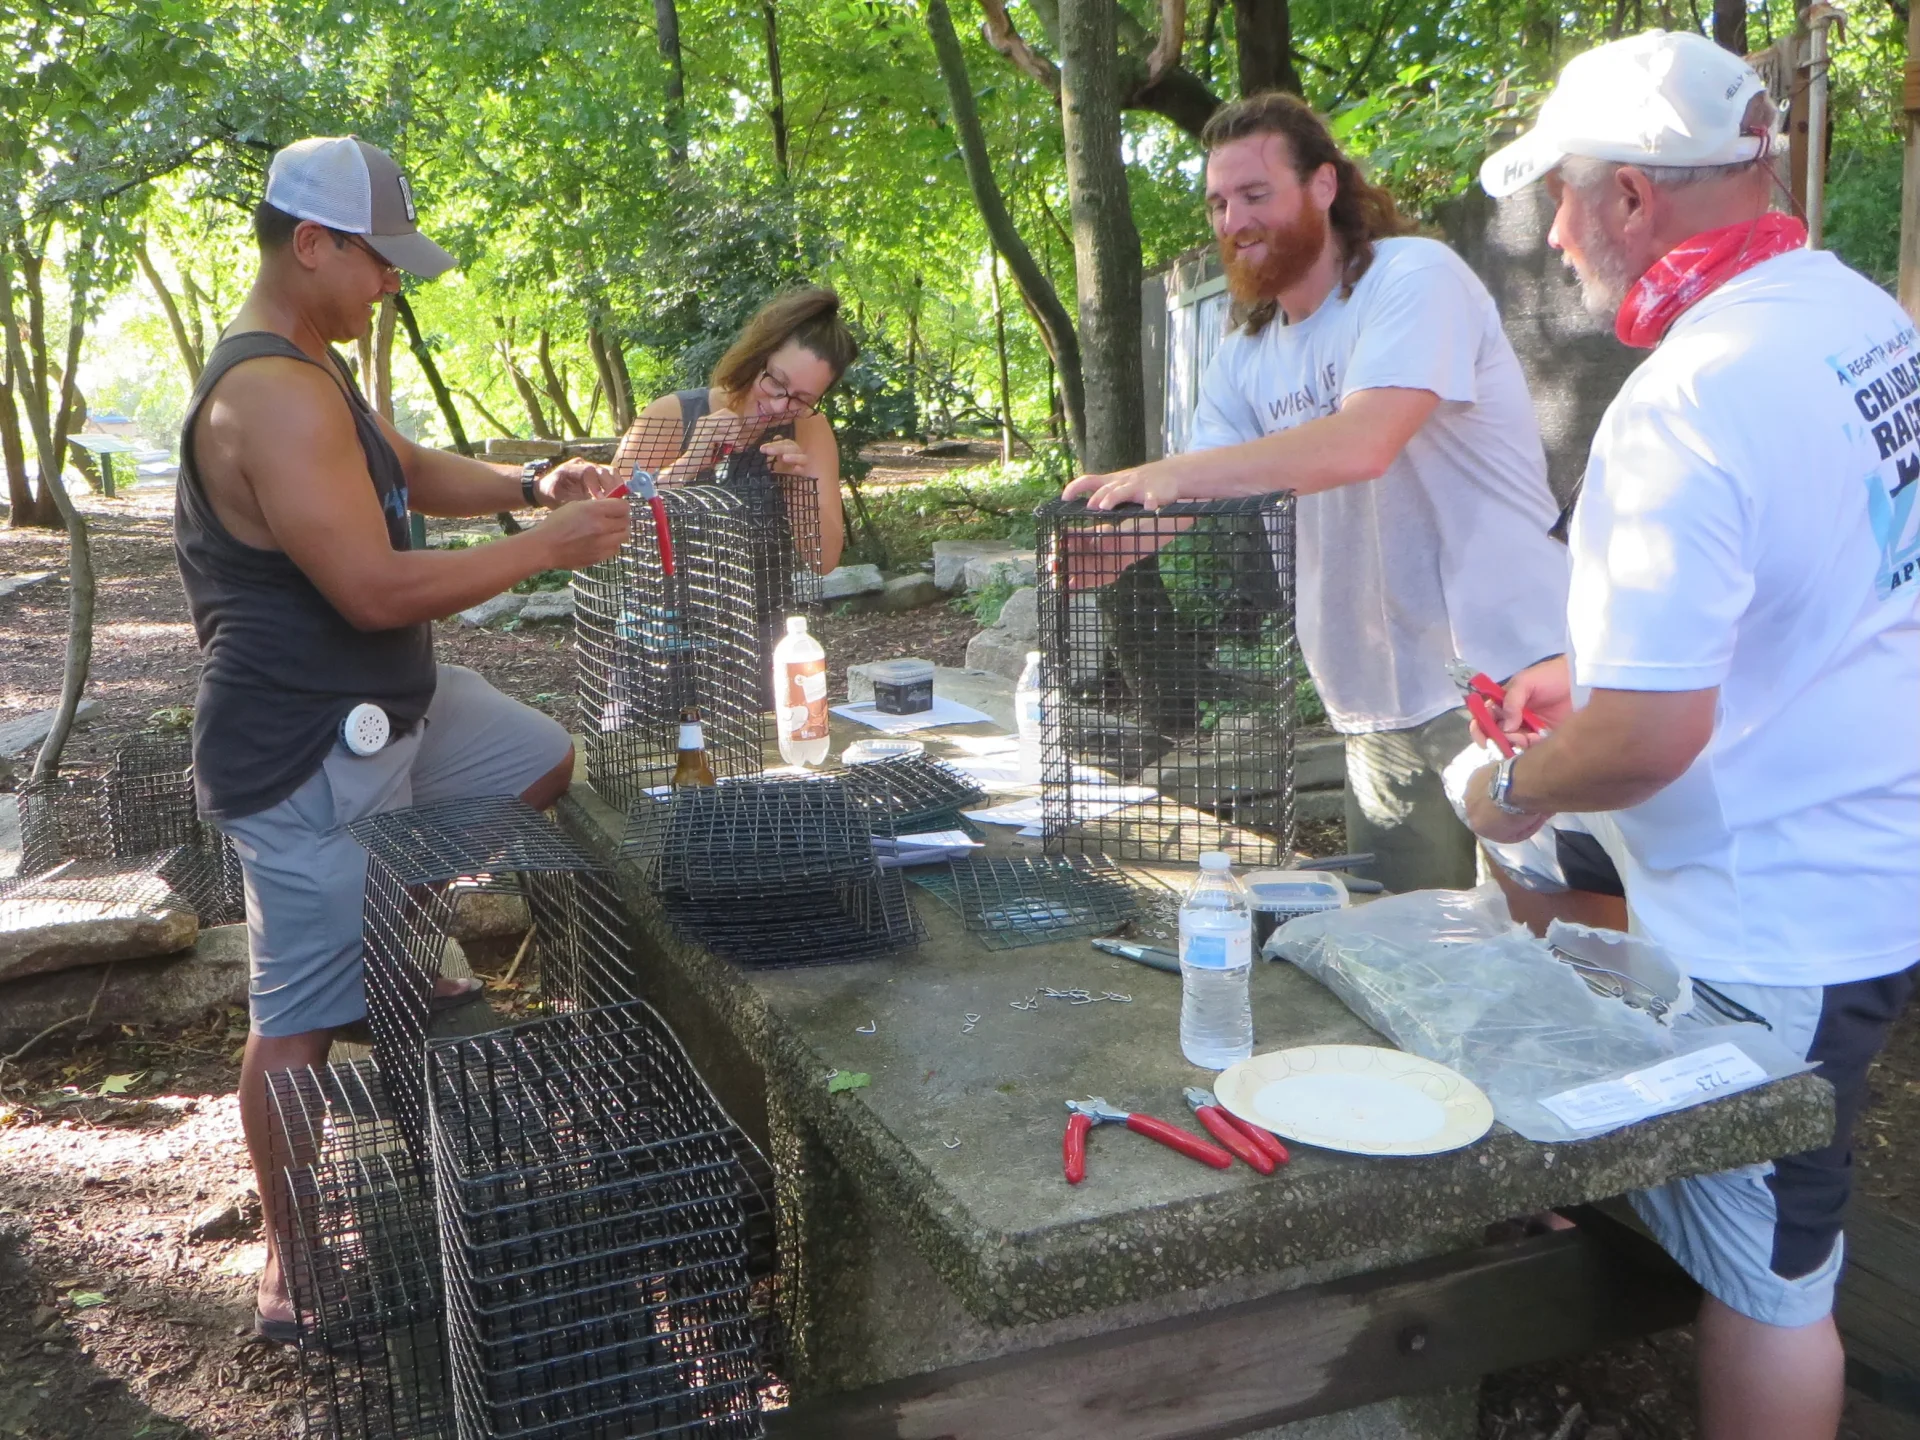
<point x="650" y="644"/>
<point x="773" y="872"/>
<point x="361" y="1251"/>
<point x="138" y="811"/>
<point x="911" y="794"/>
<point x="1006" y="903"/>
<point x="1168" y="663"/>
<point x="594" y="1221"/>
<point x="419" y="863"/>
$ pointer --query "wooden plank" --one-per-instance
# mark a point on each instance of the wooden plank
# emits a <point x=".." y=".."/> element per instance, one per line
<point x="1307" y="1352"/>
<point x="1875" y="1308"/>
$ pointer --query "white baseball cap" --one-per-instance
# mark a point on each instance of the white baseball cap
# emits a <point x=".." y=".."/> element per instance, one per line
<point x="347" y="184"/>
<point x="1652" y="99"/>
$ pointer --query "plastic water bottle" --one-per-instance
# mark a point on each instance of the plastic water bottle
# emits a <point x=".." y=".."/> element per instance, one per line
<point x="1026" y="718"/>
<point x="1216" y="963"/>
<point x="800" y="695"/>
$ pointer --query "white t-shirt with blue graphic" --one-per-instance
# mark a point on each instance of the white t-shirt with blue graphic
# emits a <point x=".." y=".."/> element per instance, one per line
<point x="1749" y="522"/>
<point x="1447" y="554"/>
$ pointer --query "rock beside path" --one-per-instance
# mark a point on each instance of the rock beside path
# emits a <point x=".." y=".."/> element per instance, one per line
<point x="172" y="991"/>
<point x="29" y="730"/>
<point x="87" y="912"/>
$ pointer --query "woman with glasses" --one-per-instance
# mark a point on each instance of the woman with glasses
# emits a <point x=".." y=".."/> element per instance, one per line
<point x="764" y="400"/>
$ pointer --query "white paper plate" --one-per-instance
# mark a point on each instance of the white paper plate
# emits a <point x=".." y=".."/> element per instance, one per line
<point x="1365" y="1099"/>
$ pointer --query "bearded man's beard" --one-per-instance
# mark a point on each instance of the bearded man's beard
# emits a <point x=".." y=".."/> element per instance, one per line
<point x="1606" y="276"/>
<point x="1291" y="252"/>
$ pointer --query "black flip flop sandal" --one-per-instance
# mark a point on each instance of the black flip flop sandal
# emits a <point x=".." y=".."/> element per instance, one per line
<point x="440" y="1004"/>
<point x="276" y="1332"/>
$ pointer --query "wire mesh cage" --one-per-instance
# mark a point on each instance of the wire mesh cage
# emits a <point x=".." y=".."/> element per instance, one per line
<point x="909" y="794"/>
<point x="774" y="872"/>
<point x="420" y="862"/>
<point x="1168" y="660"/>
<point x="361" y="1251"/>
<point x="595" y="1219"/>
<point x="138" y="806"/>
<point x="650" y="644"/>
<point x="1007" y="903"/>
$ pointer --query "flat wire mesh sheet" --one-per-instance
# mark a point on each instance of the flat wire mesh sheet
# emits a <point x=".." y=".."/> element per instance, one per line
<point x="1008" y="903"/>
<point x="594" y="1220"/>
<point x="362" y="1254"/>
<point x="651" y="644"/>
<point x="139" y="805"/>
<point x="908" y="794"/>
<point x="419" y="862"/>
<point x="1168" y="660"/>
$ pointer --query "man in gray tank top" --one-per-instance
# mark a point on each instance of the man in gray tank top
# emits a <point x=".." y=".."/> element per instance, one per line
<point x="315" y="616"/>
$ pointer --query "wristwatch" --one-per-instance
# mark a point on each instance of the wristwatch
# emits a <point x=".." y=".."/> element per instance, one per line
<point x="1500" y="785"/>
<point x="530" y="474"/>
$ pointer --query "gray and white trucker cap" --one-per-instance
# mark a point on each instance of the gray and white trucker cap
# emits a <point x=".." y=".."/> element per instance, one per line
<point x="347" y="184"/>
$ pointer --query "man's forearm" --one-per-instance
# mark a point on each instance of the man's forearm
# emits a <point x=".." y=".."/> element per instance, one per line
<point x="439" y="483"/>
<point x="404" y="587"/>
<point x="1602" y="759"/>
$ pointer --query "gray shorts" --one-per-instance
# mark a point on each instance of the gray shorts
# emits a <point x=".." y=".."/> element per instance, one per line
<point x="1765" y="1239"/>
<point x="306" y="876"/>
<point x="1397" y="807"/>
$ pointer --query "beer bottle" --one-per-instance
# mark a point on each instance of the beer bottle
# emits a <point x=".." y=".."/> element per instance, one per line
<point x="690" y="766"/>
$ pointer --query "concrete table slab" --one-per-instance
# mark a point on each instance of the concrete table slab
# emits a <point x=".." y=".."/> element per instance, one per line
<point x="912" y="1252"/>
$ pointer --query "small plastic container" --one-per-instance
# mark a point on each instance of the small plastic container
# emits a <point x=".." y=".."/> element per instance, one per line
<point x="902" y="687"/>
<point x="1279" y="895"/>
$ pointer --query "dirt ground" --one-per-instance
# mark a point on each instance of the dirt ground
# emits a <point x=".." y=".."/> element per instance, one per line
<point x="129" y="1240"/>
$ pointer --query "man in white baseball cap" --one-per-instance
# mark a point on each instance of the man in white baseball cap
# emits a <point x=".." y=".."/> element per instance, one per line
<point x="320" y="701"/>
<point x="1744" y="557"/>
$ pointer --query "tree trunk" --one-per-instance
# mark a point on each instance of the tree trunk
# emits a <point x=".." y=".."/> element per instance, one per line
<point x="1000" y="348"/>
<point x="48" y="421"/>
<point x="523" y="387"/>
<point x="189" y="352"/>
<point x="777" y="112"/>
<point x="24" y="508"/>
<point x="614" y="382"/>
<point x="1730" y="25"/>
<point x="1106" y="246"/>
<point x="380" y="394"/>
<point x="556" y="388"/>
<point x="506" y="430"/>
<point x="1043" y="303"/>
<point x="1265" y="32"/>
<point x="666" y="24"/>
<point x="423" y="357"/>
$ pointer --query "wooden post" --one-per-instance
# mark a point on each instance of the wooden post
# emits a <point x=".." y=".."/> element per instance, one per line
<point x="1000" y="345"/>
<point x="106" y="475"/>
<point x="1797" y="101"/>
<point x="1910" y="195"/>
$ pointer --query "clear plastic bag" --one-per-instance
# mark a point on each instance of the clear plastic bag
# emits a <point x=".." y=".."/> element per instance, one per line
<point x="1449" y="975"/>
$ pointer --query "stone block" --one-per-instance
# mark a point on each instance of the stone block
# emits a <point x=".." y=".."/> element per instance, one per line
<point x="486" y="915"/>
<point x="514" y="451"/>
<point x="54" y="926"/>
<point x="493" y="612"/>
<point x="1320" y="804"/>
<point x="1020" y="617"/>
<point x="547" y="605"/>
<point x="1320" y="762"/>
<point x="950" y="559"/>
<point x="850" y="580"/>
<point x="14" y="584"/>
<point x="908" y="592"/>
<point x="29" y="730"/>
<point x="995" y="651"/>
<point x="167" y="992"/>
<point x="1013" y="566"/>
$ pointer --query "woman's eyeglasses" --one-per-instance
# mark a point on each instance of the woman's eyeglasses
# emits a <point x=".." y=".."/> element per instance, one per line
<point x="777" y="391"/>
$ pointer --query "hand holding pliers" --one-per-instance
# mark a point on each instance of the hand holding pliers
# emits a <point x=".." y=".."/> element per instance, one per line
<point x="1259" y="1148"/>
<point x="1083" y="1115"/>
<point x="1482" y="693"/>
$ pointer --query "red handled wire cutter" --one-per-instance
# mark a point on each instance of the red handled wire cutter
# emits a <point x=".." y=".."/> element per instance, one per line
<point x="1482" y="694"/>
<point x="642" y="487"/>
<point x="1259" y="1148"/>
<point x="1085" y="1114"/>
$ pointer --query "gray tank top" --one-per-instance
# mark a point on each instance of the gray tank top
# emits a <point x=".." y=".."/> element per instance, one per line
<point x="282" y="667"/>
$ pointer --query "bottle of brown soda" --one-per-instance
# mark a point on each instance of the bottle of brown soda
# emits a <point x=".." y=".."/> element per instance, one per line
<point x="690" y="765"/>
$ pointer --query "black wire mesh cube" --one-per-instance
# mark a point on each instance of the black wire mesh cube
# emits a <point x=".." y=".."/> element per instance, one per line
<point x="420" y="862"/>
<point x="651" y="644"/>
<point x="594" y="1219"/>
<point x="1167" y="661"/>
<point x="361" y="1250"/>
<point x="138" y="807"/>
<point x="774" y="872"/>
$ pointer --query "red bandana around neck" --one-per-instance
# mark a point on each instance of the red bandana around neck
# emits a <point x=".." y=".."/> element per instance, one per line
<point x="1695" y="268"/>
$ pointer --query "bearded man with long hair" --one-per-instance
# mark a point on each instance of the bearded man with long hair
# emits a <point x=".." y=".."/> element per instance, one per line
<point x="1371" y="377"/>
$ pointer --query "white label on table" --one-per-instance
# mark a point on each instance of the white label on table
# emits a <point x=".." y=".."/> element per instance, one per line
<point x="1672" y="1084"/>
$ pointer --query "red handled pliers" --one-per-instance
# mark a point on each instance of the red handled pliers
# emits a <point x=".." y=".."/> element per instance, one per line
<point x="642" y="487"/>
<point x="1085" y="1114"/>
<point x="1258" y="1147"/>
<point x="1480" y="689"/>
